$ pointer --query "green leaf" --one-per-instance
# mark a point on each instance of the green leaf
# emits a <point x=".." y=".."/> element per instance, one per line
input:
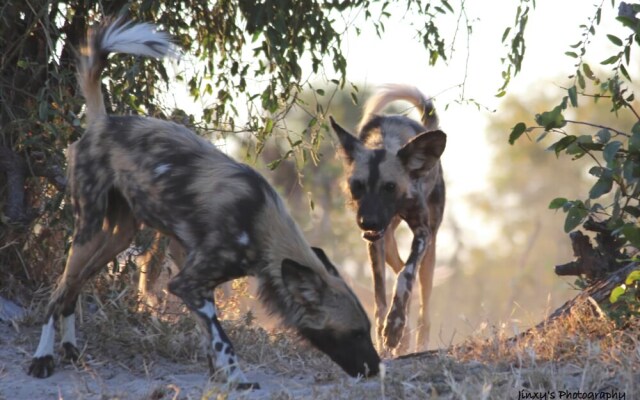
<point x="602" y="186"/>
<point x="542" y="136"/>
<point x="596" y="171"/>
<point x="603" y="136"/>
<point x="268" y="127"/>
<point x="558" y="202"/>
<point x="611" y="60"/>
<point x="571" y="54"/>
<point x="632" y="233"/>
<point x="573" y="96"/>
<point x="634" y="140"/>
<point x="562" y="143"/>
<point x="505" y="34"/>
<point x="575" y="216"/>
<point x="633" y="211"/>
<point x="517" y="131"/>
<point x="633" y="277"/>
<point x="615" y="40"/>
<point x="610" y="150"/>
<point x="616" y="293"/>
<point x="581" y="81"/>
<point x="551" y="119"/>
<point x="587" y="71"/>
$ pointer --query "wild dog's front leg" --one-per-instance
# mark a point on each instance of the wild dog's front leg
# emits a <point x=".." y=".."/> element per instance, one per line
<point x="376" y="256"/>
<point x="396" y="319"/>
<point x="220" y="352"/>
<point x="426" y="285"/>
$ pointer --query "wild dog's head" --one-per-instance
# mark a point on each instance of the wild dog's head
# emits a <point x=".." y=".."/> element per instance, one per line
<point x="331" y="317"/>
<point x="382" y="173"/>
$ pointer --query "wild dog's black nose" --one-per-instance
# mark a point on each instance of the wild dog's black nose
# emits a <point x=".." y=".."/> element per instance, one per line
<point x="370" y="223"/>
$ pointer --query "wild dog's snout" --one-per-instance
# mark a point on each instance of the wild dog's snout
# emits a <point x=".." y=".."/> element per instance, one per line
<point x="369" y="222"/>
<point x="373" y="216"/>
<point x="354" y="351"/>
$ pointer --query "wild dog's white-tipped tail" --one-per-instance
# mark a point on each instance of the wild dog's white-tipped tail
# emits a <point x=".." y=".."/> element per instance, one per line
<point x="392" y="92"/>
<point x="119" y="36"/>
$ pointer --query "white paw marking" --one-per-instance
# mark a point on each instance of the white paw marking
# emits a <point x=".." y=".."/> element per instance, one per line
<point x="69" y="329"/>
<point x="208" y="309"/>
<point x="47" y="338"/>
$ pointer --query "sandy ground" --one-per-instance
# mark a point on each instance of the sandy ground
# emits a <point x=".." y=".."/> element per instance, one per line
<point x="124" y="363"/>
<point x="160" y="378"/>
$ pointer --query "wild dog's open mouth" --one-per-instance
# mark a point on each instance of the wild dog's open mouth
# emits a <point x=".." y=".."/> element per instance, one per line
<point x="373" y="236"/>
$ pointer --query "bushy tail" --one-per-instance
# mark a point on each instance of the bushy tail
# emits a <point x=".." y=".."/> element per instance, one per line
<point x="119" y="36"/>
<point x="392" y="92"/>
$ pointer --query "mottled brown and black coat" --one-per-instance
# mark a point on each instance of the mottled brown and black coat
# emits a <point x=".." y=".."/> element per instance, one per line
<point x="393" y="173"/>
<point x="128" y="170"/>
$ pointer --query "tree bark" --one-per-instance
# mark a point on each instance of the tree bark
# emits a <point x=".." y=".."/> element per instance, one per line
<point x="597" y="292"/>
<point x="14" y="168"/>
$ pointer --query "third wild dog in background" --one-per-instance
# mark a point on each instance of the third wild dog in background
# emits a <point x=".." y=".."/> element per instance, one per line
<point x="128" y="170"/>
<point x="394" y="174"/>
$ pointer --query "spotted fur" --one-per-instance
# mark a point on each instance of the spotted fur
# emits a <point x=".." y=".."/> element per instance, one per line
<point x="393" y="173"/>
<point x="128" y="170"/>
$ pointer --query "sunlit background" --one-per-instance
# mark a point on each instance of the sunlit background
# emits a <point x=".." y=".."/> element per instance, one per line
<point x="499" y="241"/>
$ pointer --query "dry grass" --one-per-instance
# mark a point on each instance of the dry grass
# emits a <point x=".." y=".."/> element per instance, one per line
<point x="581" y="354"/>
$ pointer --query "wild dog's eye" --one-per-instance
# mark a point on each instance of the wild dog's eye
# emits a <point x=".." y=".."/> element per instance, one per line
<point x="357" y="187"/>
<point x="389" y="187"/>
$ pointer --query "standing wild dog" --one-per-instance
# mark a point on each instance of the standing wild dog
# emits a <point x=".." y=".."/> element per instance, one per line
<point x="394" y="174"/>
<point x="127" y="170"/>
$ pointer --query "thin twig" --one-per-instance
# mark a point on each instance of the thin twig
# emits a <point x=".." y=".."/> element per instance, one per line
<point x="597" y="126"/>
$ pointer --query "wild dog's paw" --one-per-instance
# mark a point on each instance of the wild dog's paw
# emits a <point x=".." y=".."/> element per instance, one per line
<point x="393" y="329"/>
<point x="70" y="352"/>
<point x="41" y="367"/>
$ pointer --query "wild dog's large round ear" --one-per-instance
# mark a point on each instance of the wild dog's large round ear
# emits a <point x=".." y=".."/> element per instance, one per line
<point x="325" y="261"/>
<point x="303" y="283"/>
<point x="422" y="152"/>
<point x="349" y="143"/>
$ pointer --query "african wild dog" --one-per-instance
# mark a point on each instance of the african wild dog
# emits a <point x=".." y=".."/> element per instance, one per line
<point x="127" y="170"/>
<point x="393" y="174"/>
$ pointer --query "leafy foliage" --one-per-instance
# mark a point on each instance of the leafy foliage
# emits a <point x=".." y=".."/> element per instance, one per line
<point x="513" y="38"/>
<point x="245" y="61"/>
<point x="614" y="152"/>
<point x="625" y="299"/>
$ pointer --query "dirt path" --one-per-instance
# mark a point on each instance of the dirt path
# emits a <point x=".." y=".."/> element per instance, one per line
<point x="158" y="379"/>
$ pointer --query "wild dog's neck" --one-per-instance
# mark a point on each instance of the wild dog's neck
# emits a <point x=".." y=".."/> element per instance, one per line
<point x="284" y="239"/>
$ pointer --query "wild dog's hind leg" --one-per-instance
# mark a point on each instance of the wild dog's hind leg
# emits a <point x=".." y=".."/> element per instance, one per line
<point x="195" y="285"/>
<point x="88" y="254"/>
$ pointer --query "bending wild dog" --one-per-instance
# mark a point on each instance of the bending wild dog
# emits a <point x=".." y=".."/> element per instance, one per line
<point x="393" y="174"/>
<point x="127" y="170"/>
